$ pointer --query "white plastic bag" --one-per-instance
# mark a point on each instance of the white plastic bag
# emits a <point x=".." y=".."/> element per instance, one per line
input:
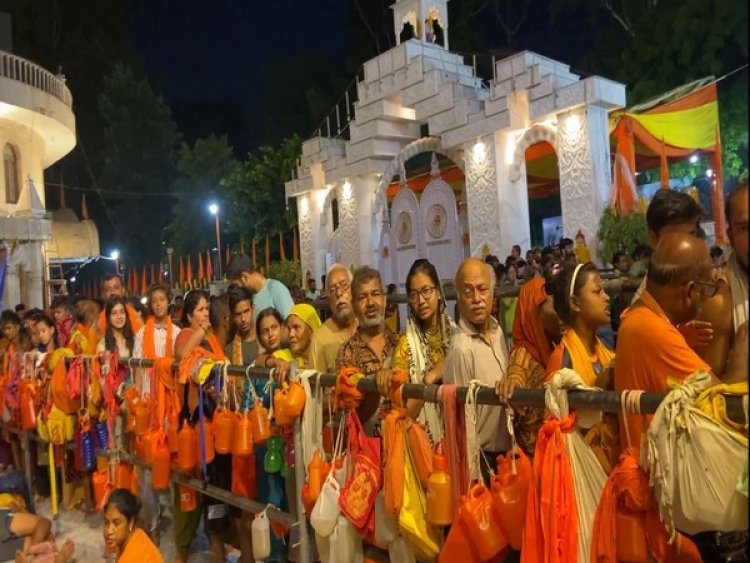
<point x="325" y="513"/>
<point x="261" y="533"/>
<point x="693" y="464"/>
<point x="588" y="476"/>
<point x="324" y="548"/>
<point x="386" y="526"/>
<point x="346" y="545"/>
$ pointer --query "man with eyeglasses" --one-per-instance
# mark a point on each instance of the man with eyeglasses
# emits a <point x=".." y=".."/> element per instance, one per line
<point x="478" y="351"/>
<point x="652" y="355"/>
<point x="339" y="328"/>
<point x="727" y="311"/>
<point x="370" y="349"/>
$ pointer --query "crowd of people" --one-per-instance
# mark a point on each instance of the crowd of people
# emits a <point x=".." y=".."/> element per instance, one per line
<point x="689" y="314"/>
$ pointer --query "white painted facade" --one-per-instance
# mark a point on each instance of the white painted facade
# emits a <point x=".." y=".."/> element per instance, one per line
<point x="484" y="130"/>
<point x="37" y="128"/>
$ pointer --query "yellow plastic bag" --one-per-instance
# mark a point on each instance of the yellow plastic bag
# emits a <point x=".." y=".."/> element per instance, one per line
<point x="60" y="426"/>
<point x="412" y="520"/>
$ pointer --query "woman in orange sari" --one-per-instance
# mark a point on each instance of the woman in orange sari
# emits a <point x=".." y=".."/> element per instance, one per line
<point x="122" y="535"/>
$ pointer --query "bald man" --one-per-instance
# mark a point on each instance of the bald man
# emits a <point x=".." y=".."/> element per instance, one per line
<point x="478" y="351"/>
<point x="727" y="311"/>
<point x="651" y="352"/>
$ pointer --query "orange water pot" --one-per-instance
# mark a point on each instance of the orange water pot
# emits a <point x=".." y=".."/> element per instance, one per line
<point x="224" y="422"/>
<point x="261" y="426"/>
<point x="142" y="415"/>
<point x="632" y="546"/>
<point x="295" y="399"/>
<point x="123" y="475"/>
<point x="173" y="427"/>
<point x="242" y="443"/>
<point x="102" y="488"/>
<point x="148" y="443"/>
<point x="280" y="412"/>
<point x="481" y="523"/>
<point x="208" y="436"/>
<point x="509" y="491"/>
<point x="186" y="448"/>
<point x="439" y="492"/>
<point x="160" y="465"/>
<point x="315" y="477"/>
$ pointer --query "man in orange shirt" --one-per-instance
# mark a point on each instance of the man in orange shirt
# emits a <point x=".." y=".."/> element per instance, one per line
<point x="651" y="352"/>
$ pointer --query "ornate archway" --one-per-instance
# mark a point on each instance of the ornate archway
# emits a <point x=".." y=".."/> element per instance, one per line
<point x="535" y="134"/>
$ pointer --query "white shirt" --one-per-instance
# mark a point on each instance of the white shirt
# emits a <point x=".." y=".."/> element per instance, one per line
<point x="160" y="347"/>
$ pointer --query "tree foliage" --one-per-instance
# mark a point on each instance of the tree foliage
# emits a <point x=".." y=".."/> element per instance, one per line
<point x="255" y="194"/>
<point x="619" y="234"/>
<point x="140" y="141"/>
<point x="200" y="170"/>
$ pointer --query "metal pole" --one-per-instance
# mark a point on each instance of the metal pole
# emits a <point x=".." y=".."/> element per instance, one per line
<point x="218" y="246"/>
<point x="299" y="482"/>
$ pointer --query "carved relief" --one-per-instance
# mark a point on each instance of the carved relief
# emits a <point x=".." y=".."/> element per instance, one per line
<point x="349" y="227"/>
<point x="306" y="238"/>
<point x="481" y="193"/>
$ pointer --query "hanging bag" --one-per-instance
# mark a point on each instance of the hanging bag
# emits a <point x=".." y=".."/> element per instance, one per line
<point x="358" y="494"/>
<point x="326" y="511"/>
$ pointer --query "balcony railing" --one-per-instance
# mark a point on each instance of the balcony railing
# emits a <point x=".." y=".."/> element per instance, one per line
<point x="17" y="68"/>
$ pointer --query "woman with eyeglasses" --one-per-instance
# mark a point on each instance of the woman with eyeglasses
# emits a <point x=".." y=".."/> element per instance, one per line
<point x="422" y="349"/>
<point x="582" y="305"/>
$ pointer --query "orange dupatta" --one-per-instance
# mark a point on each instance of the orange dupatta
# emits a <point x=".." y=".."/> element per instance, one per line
<point x="162" y="369"/>
<point x="149" y="341"/>
<point x="528" y="331"/>
<point x="140" y="549"/>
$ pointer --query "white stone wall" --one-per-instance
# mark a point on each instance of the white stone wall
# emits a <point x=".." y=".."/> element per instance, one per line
<point x="481" y="192"/>
<point x="30" y="149"/>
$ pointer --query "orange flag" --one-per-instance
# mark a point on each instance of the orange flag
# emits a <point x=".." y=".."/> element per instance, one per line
<point x="663" y="167"/>
<point x="144" y="287"/>
<point x="182" y="273"/>
<point x="201" y="272"/>
<point x="189" y="272"/>
<point x="153" y="275"/>
<point x="268" y="254"/>
<point x="282" y="253"/>
<point x="161" y="274"/>
<point x="227" y="256"/>
<point x="209" y="266"/>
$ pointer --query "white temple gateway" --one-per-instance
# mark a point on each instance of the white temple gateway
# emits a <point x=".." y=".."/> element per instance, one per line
<point x="420" y="98"/>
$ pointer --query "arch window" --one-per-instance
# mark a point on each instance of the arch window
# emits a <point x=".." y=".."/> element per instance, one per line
<point x="12" y="183"/>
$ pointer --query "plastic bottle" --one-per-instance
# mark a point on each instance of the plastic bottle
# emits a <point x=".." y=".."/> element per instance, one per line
<point x="186" y="448"/>
<point x="315" y="476"/>
<point x="481" y="523"/>
<point x="173" y="426"/>
<point x="274" y="459"/>
<point x="261" y="534"/>
<point x="223" y="427"/>
<point x="142" y="416"/>
<point x="160" y="465"/>
<point x="439" y="492"/>
<point x="242" y="443"/>
<point x="261" y="425"/>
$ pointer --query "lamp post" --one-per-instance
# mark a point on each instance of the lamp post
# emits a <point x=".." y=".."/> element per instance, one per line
<point x="170" y="251"/>
<point x="115" y="255"/>
<point x="213" y="208"/>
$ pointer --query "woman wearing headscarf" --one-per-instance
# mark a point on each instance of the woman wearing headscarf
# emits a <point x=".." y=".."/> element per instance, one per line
<point x="421" y="350"/>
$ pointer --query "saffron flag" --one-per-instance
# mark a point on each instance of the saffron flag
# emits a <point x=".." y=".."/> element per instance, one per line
<point x="182" y="273"/>
<point x="201" y="272"/>
<point x="189" y="273"/>
<point x="209" y="266"/>
<point x="144" y="287"/>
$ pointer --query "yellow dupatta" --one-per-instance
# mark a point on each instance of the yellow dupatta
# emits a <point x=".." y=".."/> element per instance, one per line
<point x="580" y="358"/>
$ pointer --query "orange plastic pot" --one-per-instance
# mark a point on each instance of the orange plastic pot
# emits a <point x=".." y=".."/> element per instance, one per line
<point x="173" y="427"/>
<point x="315" y="477"/>
<point x="208" y="436"/>
<point x="242" y="443"/>
<point x="632" y="546"/>
<point x="186" y="448"/>
<point x="123" y="475"/>
<point x="439" y="492"/>
<point x="281" y="414"/>
<point x="295" y="399"/>
<point x="160" y="466"/>
<point x="260" y="424"/>
<point x="148" y="443"/>
<point x="458" y="545"/>
<point x="142" y="416"/>
<point x="509" y="493"/>
<point x="482" y="525"/>
<point x="102" y="488"/>
<point x="223" y="430"/>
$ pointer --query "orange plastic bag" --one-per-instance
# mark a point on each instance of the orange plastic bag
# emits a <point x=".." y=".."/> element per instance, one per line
<point x="509" y="491"/>
<point x="458" y="545"/>
<point x="243" y="476"/>
<point x="393" y="450"/>
<point x="481" y="523"/>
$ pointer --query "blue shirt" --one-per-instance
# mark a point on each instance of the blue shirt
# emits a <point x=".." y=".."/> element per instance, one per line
<point x="273" y="294"/>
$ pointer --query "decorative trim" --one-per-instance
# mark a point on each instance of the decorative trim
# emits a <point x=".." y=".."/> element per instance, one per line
<point x="535" y="134"/>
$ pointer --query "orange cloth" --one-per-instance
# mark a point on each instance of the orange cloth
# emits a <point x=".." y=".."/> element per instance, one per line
<point x="528" y="331"/>
<point x="580" y="360"/>
<point x="149" y="343"/>
<point x="101" y="324"/>
<point x="140" y="549"/>
<point x="628" y="488"/>
<point x="551" y="526"/>
<point x="650" y="350"/>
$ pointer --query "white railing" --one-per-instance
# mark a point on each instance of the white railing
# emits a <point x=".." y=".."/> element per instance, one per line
<point x="17" y="68"/>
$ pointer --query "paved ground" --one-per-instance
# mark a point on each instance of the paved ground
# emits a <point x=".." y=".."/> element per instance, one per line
<point x="86" y="532"/>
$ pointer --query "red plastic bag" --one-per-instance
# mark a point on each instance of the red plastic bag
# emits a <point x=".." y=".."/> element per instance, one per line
<point x="509" y="493"/>
<point x="357" y="499"/>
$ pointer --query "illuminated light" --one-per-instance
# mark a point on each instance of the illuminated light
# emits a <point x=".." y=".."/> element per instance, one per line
<point x="693" y="158"/>
<point x="304" y="205"/>
<point x="144" y="300"/>
<point x="709" y="173"/>
<point x="115" y="254"/>
<point x="346" y="190"/>
<point x="321" y="197"/>
<point x="478" y="151"/>
<point x="213" y="209"/>
<point x="572" y="125"/>
<point x="73" y="279"/>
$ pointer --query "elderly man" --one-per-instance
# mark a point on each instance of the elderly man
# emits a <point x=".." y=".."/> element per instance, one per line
<point x="370" y="349"/>
<point x="267" y="292"/>
<point x="328" y="339"/>
<point x="652" y="353"/>
<point x="728" y="309"/>
<point x="478" y="351"/>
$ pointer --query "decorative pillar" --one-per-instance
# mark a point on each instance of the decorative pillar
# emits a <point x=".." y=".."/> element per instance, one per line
<point x="512" y="189"/>
<point x="306" y="239"/>
<point x="585" y="178"/>
<point x="349" y="224"/>
<point x="482" y="197"/>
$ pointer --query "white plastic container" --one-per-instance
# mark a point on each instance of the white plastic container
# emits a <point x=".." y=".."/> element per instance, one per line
<point x="386" y="527"/>
<point x="326" y="511"/>
<point x="261" y="534"/>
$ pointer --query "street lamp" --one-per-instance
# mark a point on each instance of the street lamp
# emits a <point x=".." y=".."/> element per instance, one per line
<point x="115" y="255"/>
<point x="213" y="208"/>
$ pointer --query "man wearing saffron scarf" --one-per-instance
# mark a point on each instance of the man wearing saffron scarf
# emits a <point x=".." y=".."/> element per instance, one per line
<point x="243" y="348"/>
<point x="153" y="340"/>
